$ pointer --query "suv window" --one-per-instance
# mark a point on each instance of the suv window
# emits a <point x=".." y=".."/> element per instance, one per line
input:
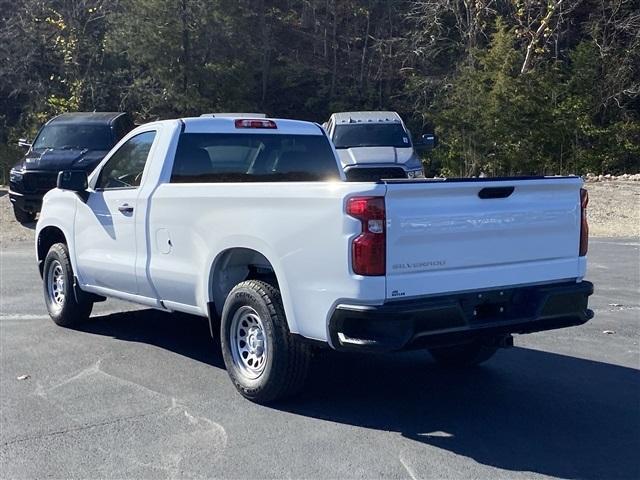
<point x="124" y="168"/>
<point x="75" y="136"/>
<point x="219" y="157"/>
<point x="371" y="135"/>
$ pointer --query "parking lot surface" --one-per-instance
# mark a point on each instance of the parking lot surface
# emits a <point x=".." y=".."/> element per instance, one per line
<point x="137" y="393"/>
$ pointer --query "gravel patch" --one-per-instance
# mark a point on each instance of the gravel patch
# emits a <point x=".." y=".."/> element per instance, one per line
<point x="614" y="208"/>
<point x="614" y="211"/>
<point x="10" y="230"/>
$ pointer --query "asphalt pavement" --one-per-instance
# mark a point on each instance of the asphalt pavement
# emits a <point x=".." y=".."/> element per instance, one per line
<point x="137" y="393"/>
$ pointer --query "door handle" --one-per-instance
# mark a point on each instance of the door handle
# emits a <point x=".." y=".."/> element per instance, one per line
<point x="125" y="208"/>
<point x="495" y="192"/>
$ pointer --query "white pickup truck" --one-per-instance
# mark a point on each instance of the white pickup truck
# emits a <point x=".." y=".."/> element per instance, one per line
<point x="373" y="145"/>
<point x="250" y="222"/>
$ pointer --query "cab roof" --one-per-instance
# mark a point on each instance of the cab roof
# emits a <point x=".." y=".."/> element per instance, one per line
<point x="366" y="117"/>
<point x="227" y="125"/>
<point x="235" y="115"/>
<point x="103" y="118"/>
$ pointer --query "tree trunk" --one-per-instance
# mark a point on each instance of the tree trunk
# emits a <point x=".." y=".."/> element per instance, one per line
<point x="266" y="52"/>
<point x="364" y="52"/>
<point x="334" y="45"/>
<point x="185" y="45"/>
<point x="537" y="34"/>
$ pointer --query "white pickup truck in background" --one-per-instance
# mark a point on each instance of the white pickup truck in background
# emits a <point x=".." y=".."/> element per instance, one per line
<point x="374" y="145"/>
<point x="250" y="222"/>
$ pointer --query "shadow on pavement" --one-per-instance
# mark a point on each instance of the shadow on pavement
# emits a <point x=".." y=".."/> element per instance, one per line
<point x="180" y="333"/>
<point x="525" y="410"/>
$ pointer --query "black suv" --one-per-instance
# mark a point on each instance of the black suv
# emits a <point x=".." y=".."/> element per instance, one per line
<point x="71" y="141"/>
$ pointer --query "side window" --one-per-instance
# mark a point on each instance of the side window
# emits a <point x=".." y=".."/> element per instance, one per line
<point x="124" y="168"/>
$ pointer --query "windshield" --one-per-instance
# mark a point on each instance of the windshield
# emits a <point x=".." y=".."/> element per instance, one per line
<point x="371" y="135"/>
<point x="92" y="137"/>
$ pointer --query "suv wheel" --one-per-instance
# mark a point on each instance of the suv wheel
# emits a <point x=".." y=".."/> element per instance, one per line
<point x="264" y="361"/>
<point x="57" y="275"/>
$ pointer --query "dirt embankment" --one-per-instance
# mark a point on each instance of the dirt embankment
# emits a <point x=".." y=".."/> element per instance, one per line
<point x="614" y="211"/>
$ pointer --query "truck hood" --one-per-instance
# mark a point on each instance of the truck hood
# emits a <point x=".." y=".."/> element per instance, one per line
<point x="61" y="159"/>
<point x="362" y="155"/>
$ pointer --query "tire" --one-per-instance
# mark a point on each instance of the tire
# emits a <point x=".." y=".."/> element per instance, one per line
<point x="23" y="216"/>
<point x="59" y="296"/>
<point x="264" y="361"/>
<point x="461" y="356"/>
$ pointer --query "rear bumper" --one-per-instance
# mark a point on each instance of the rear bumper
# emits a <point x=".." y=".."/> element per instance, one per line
<point x="29" y="202"/>
<point x="456" y="318"/>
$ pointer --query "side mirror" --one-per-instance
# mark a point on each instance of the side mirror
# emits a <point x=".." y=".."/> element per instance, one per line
<point x="427" y="142"/>
<point x="73" y="180"/>
<point x="24" y="143"/>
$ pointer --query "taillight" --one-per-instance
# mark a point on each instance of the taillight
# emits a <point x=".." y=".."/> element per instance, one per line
<point x="255" y="123"/>
<point x="368" y="254"/>
<point x="584" y="225"/>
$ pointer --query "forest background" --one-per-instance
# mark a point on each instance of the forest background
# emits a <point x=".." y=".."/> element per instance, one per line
<point x="509" y="86"/>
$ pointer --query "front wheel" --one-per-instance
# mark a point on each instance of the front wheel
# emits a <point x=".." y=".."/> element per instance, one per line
<point x="57" y="275"/>
<point x="264" y="361"/>
<point x="466" y="355"/>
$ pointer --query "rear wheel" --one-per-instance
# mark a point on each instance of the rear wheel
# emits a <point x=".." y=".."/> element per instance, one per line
<point x="466" y="355"/>
<point x="264" y="361"/>
<point x="23" y="216"/>
<point x="57" y="275"/>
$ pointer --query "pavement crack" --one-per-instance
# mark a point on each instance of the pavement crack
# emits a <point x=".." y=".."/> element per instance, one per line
<point x="78" y="428"/>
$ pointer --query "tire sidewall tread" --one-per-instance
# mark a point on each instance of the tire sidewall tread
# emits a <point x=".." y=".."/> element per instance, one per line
<point x="288" y="360"/>
<point x="73" y="312"/>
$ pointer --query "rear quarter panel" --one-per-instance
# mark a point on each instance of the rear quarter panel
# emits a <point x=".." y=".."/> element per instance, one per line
<point x="301" y="229"/>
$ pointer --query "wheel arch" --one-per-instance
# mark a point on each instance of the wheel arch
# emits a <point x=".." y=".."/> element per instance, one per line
<point x="47" y="237"/>
<point x="232" y="266"/>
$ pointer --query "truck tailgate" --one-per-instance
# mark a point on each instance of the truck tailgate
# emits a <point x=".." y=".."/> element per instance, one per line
<point x="454" y="236"/>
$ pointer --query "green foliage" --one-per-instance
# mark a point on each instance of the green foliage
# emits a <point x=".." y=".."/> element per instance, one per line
<point x="509" y="87"/>
<point x="496" y="121"/>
